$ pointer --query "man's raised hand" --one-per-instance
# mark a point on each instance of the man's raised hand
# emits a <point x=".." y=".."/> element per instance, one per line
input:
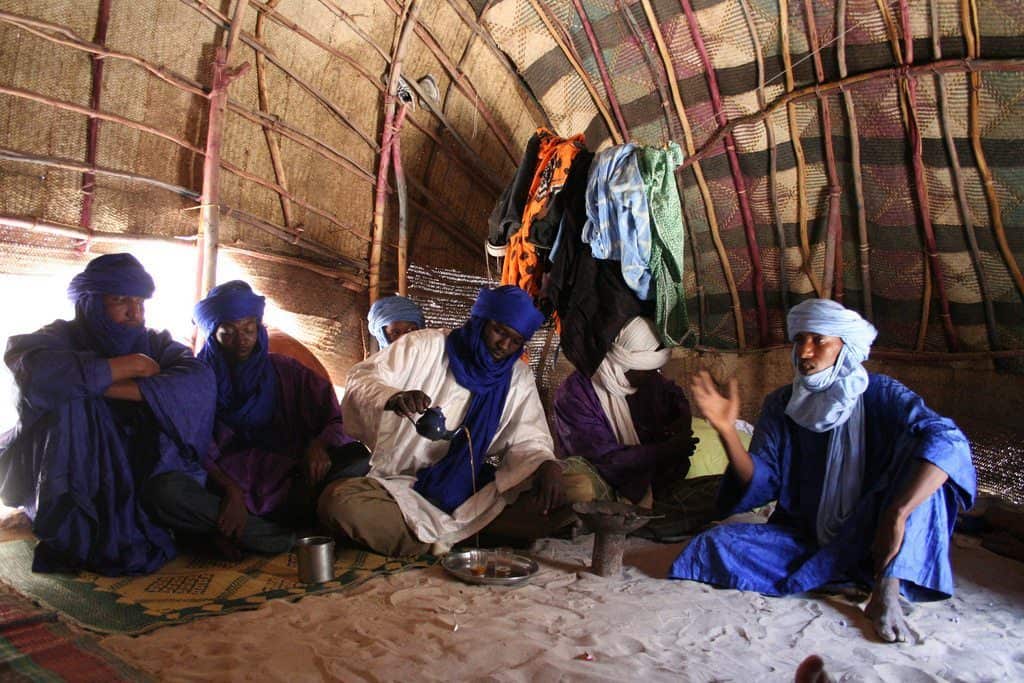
<point x="720" y="411"/>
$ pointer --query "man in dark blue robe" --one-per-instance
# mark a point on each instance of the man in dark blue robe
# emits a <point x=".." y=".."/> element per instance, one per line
<point x="105" y="405"/>
<point x="868" y="479"/>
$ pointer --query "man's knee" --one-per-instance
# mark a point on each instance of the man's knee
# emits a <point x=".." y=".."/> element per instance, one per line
<point x="363" y="511"/>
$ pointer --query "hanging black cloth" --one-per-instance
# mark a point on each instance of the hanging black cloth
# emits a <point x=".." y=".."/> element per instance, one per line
<point x="592" y="300"/>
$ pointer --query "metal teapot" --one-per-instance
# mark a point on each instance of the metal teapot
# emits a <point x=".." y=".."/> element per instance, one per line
<point x="431" y="425"/>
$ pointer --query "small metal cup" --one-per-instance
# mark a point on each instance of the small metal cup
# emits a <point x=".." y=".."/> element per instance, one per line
<point x="315" y="558"/>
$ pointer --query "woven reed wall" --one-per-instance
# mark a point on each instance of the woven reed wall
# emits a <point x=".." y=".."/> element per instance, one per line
<point x="762" y="237"/>
<point x="312" y="96"/>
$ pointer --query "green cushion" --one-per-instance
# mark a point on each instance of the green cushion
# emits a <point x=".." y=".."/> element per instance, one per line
<point x="710" y="457"/>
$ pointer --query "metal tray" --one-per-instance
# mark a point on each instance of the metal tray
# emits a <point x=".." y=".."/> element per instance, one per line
<point x="461" y="564"/>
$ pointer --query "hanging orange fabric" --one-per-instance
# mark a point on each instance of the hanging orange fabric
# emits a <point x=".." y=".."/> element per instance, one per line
<point x="522" y="265"/>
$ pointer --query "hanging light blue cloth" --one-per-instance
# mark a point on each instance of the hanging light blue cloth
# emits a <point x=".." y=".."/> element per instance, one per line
<point x="110" y="274"/>
<point x="830" y="401"/>
<point x="391" y="309"/>
<point x="246" y="391"/>
<point x="618" y="223"/>
<point x="448" y="483"/>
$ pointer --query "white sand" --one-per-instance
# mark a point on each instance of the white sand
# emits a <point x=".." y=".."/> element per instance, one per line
<point x="425" y="625"/>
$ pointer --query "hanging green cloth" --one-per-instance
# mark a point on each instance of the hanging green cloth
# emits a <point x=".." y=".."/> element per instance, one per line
<point x="657" y="168"/>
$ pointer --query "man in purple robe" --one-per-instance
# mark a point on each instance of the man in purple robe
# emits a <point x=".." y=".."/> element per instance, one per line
<point x="278" y="438"/>
<point x="626" y="430"/>
<point x="868" y="479"/>
<point x="106" y="407"/>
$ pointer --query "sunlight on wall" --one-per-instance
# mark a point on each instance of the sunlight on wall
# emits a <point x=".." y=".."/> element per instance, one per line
<point x="27" y="302"/>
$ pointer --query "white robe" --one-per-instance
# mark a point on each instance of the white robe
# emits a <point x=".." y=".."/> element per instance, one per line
<point x="418" y="361"/>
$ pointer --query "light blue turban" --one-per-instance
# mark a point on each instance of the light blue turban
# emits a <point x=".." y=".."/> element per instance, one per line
<point x="392" y="309"/>
<point x="831" y="401"/>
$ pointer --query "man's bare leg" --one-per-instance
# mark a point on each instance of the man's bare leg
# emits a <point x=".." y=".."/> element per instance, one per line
<point x="885" y="612"/>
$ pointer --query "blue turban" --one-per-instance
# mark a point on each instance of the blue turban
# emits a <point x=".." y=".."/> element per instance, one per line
<point x="230" y="301"/>
<point x="120" y="274"/>
<point x="246" y="391"/>
<point x="448" y="482"/>
<point x="509" y="305"/>
<point x="831" y="401"/>
<point x="115" y="274"/>
<point x="392" y="309"/>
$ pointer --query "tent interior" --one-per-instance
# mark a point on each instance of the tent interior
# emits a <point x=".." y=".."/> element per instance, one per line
<point x="331" y="152"/>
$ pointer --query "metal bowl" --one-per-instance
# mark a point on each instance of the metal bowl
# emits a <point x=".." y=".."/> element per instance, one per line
<point x="489" y="568"/>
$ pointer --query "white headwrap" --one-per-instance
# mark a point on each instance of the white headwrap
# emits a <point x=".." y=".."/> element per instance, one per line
<point x="831" y="401"/>
<point x="635" y="348"/>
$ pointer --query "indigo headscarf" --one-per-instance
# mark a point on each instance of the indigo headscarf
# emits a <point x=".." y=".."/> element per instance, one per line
<point x="448" y="482"/>
<point x="119" y="275"/>
<point x="831" y="401"/>
<point x="246" y="391"/>
<point x="389" y="310"/>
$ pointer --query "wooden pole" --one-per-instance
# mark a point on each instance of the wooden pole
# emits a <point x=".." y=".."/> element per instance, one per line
<point x="609" y="122"/>
<point x="390" y="129"/>
<point x="863" y="249"/>
<point x="403" y="209"/>
<point x="606" y="80"/>
<point x="209" y="209"/>
<point x="92" y="130"/>
<point x="773" y="156"/>
<point x="956" y="175"/>
<point x="705" y="192"/>
<point x="746" y="214"/>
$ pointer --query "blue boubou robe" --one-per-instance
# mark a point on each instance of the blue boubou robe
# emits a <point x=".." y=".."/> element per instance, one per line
<point x="783" y="556"/>
<point x="77" y="461"/>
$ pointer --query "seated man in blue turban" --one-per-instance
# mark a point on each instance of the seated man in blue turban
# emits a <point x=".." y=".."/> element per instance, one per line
<point x="391" y="317"/>
<point x="423" y="495"/>
<point x="278" y="437"/>
<point x="868" y="479"/>
<point x="106" y="407"/>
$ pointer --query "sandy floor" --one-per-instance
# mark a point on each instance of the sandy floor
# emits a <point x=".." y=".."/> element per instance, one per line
<point x="568" y="624"/>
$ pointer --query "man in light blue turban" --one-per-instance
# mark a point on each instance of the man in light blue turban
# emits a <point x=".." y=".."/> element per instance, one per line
<point x="868" y="479"/>
<point x="109" y="411"/>
<point x="391" y="317"/>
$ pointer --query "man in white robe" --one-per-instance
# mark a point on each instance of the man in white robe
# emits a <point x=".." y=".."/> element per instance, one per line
<point x="421" y="495"/>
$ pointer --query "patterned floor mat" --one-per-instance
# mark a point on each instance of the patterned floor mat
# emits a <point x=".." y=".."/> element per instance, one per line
<point x="185" y="589"/>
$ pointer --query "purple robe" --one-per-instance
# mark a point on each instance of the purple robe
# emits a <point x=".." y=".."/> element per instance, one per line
<point x="582" y="429"/>
<point x="76" y="460"/>
<point x="264" y="465"/>
<point x="783" y="556"/>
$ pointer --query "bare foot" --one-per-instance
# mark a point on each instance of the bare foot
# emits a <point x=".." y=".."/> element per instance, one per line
<point x="885" y="612"/>
<point x="812" y="670"/>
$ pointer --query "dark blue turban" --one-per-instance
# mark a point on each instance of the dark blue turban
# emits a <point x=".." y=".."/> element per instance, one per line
<point x="230" y="301"/>
<point x="118" y="275"/>
<point x="246" y="391"/>
<point x="509" y="305"/>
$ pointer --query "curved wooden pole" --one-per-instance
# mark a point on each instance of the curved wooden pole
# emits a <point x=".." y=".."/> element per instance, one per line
<point x="863" y="249"/>
<point x="609" y="122"/>
<point x="606" y="80"/>
<point x="739" y="182"/>
<point x="391" y="127"/>
<point x="972" y="33"/>
<point x="709" y="205"/>
<point x="773" y="160"/>
<point x="966" y="215"/>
